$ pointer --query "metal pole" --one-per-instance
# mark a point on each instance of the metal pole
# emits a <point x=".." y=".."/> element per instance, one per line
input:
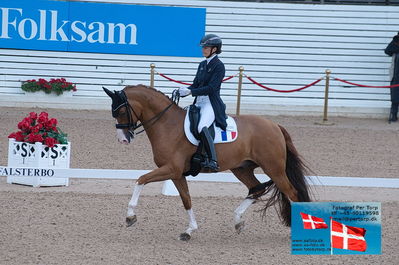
<point x="325" y="115"/>
<point x="328" y="72"/>
<point x="152" y="77"/>
<point x="240" y="75"/>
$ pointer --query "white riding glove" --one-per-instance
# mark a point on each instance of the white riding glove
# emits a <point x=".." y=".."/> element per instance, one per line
<point x="184" y="91"/>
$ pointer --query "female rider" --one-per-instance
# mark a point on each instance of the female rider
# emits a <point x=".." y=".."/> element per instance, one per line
<point x="206" y="90"/>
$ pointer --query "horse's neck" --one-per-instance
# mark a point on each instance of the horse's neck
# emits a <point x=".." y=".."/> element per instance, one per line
<point x="166" y="127"/>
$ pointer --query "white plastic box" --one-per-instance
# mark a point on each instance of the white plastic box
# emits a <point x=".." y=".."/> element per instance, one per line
<point x="21" y="154"/>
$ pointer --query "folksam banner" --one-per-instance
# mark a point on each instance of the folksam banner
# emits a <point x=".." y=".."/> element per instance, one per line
<point x="101" y="27"/>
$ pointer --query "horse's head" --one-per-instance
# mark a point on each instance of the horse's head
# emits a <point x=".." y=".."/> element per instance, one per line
<point x="124" y="114"/>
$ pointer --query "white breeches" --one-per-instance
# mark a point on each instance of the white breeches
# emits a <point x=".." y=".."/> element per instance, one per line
<point x="207" y="114"/>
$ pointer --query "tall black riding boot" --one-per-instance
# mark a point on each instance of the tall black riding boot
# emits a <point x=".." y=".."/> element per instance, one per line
<point x="393" y="115"/>
<point x="210" y="163"/>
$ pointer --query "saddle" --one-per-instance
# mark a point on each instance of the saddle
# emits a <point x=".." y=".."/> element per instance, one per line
<point x="219" y="136"/>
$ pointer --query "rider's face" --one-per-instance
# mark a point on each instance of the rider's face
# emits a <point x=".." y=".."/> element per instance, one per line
<point x="207" y="51"/>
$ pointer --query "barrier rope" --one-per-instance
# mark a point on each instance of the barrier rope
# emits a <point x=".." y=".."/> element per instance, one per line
<point x="228" y="78"/>
<point x="354" y="84"/>
<point x="173" y="80"/>
<point x="188" y="84"/>
<point x="283" y="91"/>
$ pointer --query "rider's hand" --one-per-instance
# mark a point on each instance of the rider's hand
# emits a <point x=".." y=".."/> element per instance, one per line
<point x="184" y="91"/>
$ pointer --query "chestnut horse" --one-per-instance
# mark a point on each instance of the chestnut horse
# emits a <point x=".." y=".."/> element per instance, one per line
<point x="260" y="143"/>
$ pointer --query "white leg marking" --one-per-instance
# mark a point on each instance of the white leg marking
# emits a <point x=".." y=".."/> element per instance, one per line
<point x="192" y="223"/>
<point x="134" y="200"/>
<point x="241" y="209"/>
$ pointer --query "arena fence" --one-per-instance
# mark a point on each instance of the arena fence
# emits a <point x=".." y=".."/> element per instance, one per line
<point x="241" y="74"/>
<point x="168" y="187"/>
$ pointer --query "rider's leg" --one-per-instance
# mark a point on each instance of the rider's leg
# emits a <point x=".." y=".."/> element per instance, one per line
<point x="206" y="138"/>
<point x="207" y="118"/>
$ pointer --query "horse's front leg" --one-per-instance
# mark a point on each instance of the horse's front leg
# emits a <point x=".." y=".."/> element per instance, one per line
<point x="159" y="174"/>
<point x="131" y="217"/>
<point x="182" y="187"/>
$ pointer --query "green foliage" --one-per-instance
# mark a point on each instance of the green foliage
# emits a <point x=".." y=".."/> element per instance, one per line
<point x="57" y="86"/>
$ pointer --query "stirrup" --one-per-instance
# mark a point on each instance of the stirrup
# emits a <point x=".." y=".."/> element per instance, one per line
<point x="210" y="166"/>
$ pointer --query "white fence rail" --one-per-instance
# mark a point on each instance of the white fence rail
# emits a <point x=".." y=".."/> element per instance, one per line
<point x="204" y="177"/>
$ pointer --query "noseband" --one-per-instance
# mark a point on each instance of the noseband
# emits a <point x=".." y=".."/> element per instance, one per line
<point x="132" y="126"/>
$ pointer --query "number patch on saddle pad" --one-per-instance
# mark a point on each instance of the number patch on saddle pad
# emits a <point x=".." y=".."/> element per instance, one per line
<point x="230" y="135"/>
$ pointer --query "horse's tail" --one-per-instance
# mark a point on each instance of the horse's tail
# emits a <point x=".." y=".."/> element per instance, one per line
<point x="295" y="170"/>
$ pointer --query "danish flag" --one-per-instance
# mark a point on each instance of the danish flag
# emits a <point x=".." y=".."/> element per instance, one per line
<point x="312" y="222"/>
<point x="347" y="237"/>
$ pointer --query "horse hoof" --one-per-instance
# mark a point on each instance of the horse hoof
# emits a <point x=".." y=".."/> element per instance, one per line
<point x="130" y="220"/>
<point x="185" y="237"/>
<point x="240" y="227"/>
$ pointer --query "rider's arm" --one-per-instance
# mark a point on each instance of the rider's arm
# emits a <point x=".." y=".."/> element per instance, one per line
<point x="195" y="82"/>
<point x="214" y="83"/>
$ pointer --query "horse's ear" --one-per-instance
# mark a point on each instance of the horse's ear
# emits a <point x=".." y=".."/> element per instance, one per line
<point x="109" y="93"/>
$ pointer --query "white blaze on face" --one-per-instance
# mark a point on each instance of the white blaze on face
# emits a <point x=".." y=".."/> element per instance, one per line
<point x="121" y="136"/>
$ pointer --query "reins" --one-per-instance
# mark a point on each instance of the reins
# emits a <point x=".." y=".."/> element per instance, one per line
<point x="132" y="126"/>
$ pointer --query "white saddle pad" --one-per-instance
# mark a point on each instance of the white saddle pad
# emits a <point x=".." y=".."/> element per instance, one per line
<point x="230" y="135"/>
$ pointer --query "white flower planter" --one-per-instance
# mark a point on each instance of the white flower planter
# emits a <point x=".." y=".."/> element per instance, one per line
<point x="42" y="94"/>
<point x="37" y="155"/>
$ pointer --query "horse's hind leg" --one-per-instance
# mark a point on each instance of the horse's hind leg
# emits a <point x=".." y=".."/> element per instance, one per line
<point x="276" y="172"/>
<point x="245" y="173"/>
<point x="283" y="194"/>
<point x="182" y="187"/>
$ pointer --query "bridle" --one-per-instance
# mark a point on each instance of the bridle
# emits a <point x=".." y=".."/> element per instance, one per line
<point x="132" y="126"/>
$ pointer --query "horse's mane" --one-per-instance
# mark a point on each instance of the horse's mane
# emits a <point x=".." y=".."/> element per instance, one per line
<point x="155" y="90"/>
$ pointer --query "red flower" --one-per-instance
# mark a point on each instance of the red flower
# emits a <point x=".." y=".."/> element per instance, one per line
<point x="24" y="125"/>
<point x="51" y="124"/>
<point x="37" y="128"/>
<point x="39" y="138"/>
<point x="43" y="117"/>
<point x="33" y="115"/>
<point x="42" y="81"/>
<point x="33" y="138"/>
<point x="18" y="136"/>
<point x="50" y="142"/>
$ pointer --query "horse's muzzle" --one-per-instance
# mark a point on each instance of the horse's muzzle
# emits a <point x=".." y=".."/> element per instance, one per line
<point x="124" y="137"/>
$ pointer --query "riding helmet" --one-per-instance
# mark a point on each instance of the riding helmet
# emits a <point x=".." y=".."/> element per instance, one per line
<point x="212" y="40"/>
